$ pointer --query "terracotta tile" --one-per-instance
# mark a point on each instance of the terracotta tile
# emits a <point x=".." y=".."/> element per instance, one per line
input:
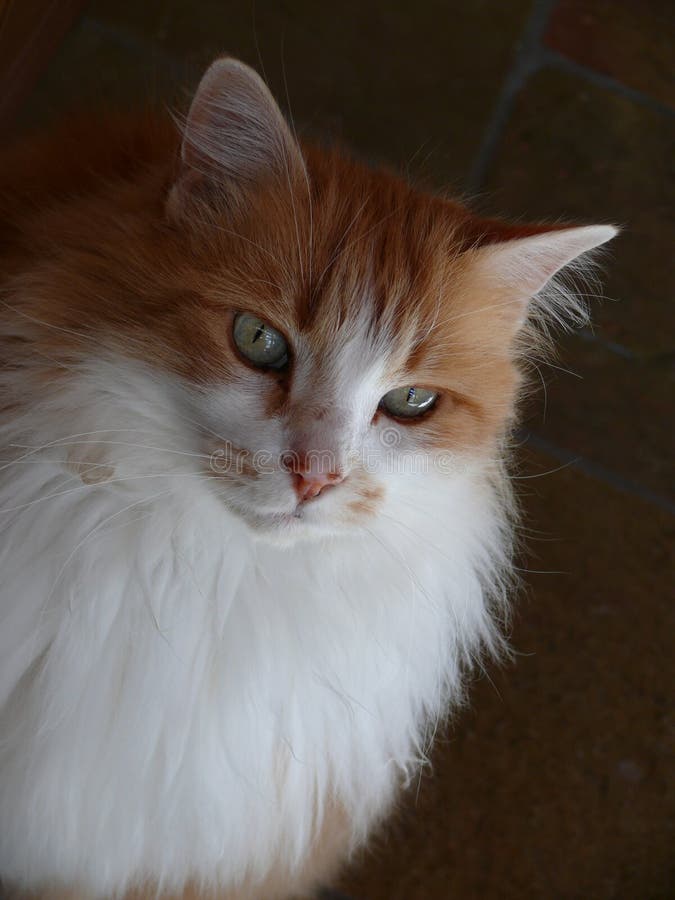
<point x="579" y="152"/>
<point x="398" y="81"/>
<point x="632" y="42"/>
<point x="615" y="412"/>
<point x="558" y="780"/>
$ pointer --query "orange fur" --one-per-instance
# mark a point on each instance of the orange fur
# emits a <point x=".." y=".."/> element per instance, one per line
<point x="93" y="256"/>
<point x="112" y="244"/>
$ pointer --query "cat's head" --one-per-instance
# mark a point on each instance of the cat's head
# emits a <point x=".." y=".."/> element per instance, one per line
<point x="340" y="335"/>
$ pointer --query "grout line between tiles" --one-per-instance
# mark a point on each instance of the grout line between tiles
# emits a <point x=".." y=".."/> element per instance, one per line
<point x="532" y="56"/>
<point x="524" y="64"/>
<point x="594" y="470"/>
<point x="552" y="58"/>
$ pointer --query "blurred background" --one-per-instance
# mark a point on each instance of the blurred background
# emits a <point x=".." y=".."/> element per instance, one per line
<point x="558" y="781"/>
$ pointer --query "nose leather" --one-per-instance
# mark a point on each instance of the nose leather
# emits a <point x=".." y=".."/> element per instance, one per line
<point x="309" y="484"/>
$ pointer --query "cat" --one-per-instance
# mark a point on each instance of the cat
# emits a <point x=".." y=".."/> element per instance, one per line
<point x="256" y="523"/>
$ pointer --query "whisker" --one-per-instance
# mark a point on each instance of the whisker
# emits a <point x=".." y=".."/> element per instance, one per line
<point x="413" y="532"/>
<point x="19" y="312"/>
<point x="539" y="571"/>
<point x="58" y="441"/>
<point x="558" y="368"/>
<point x="365" y="234"/>
<point x="545" y="389"/>
<point x="247" y="240"/>
<point x="342" y="239"/>
<point x="287" y="162"/>
<point x="119" y="444"/>
<point x="398" y="558"/>
<point x="95" y="530"/>
<point x="89" y="487"/>
<point x="257" y="44"/>
<point x="304" y="172"/>
<point x="201" y="426"/>
<point x="559" y="468"/>
<point x="273" y="284"/>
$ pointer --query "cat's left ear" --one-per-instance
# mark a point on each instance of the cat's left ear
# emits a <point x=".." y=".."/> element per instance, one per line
<point x="235" y="139"/>
<point x="508" y="274"/>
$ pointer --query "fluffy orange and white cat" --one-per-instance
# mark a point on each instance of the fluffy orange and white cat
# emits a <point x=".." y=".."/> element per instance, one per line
<point x="255" y="523"/>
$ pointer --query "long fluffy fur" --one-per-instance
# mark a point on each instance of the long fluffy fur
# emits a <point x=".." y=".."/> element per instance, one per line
<point x="186" y="699"/>
<point x="260" y="681"/>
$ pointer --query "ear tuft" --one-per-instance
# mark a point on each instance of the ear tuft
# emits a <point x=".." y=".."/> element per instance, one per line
<point x="235" y="137"/>
<point x="520" y="274"/>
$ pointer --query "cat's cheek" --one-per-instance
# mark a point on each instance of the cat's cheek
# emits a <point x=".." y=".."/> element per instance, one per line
<point x="274" y="491"/>
<point x="90" y="464"/>
<point x="366" y="504"/>
<point x="234" y="424"/>
<point x="267" y="496"/>
<point x="357" y="500"/>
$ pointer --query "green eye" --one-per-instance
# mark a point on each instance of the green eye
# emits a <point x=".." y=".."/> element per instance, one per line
<point x="263" y="345"/>
<point x="408" y="402"/>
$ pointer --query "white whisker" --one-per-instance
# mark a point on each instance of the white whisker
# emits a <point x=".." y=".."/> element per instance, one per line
<point x="96" y="529"/>
<point x="89" y="487"/>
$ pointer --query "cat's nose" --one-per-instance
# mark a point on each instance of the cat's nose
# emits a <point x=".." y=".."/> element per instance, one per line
<point x="309" y="486"/>
<point x="308" y="483"/>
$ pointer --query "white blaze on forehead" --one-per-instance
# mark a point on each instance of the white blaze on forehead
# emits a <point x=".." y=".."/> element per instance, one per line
<point x="337" y="386"/>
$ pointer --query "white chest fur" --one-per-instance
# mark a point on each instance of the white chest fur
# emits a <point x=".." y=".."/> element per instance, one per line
<point x="180" y="701"/>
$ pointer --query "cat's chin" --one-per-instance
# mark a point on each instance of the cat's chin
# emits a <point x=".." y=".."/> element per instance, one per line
<point x="284" y="529"/>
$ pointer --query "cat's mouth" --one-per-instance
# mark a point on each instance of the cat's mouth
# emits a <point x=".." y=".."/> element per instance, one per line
<point x="280" y="506"/>
<point x="280" y="519"/>
<point x="283" y="526"/>
<point x="309" y="520"/>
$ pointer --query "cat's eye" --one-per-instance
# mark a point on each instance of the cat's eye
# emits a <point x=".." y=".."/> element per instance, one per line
<point x="408" y="402"/>
<point x="263" y="345"/>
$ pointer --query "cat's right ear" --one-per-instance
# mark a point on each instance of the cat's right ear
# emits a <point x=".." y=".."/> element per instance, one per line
<point x="235" y="138"/>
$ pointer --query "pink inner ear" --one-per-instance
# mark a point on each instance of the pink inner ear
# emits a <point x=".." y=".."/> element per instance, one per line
<point x="516" y="270"/>
<point x="235" y="131"/>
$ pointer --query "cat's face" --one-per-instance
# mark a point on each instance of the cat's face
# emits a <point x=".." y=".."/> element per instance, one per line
<point x="319" y="416"/>
<point x="367" y="338"/>
<point x="341" y="339"/>
<point x="323" y="394"/>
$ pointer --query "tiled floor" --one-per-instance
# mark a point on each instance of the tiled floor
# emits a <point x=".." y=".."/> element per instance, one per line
<point x="558" y="782"/>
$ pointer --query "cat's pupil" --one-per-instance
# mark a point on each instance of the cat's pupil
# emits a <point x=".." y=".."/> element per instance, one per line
<point x="259" y="333"/>
<point x="411" y="395"/>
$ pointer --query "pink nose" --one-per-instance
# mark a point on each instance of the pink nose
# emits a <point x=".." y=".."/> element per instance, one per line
<point x="308" y="484"/>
